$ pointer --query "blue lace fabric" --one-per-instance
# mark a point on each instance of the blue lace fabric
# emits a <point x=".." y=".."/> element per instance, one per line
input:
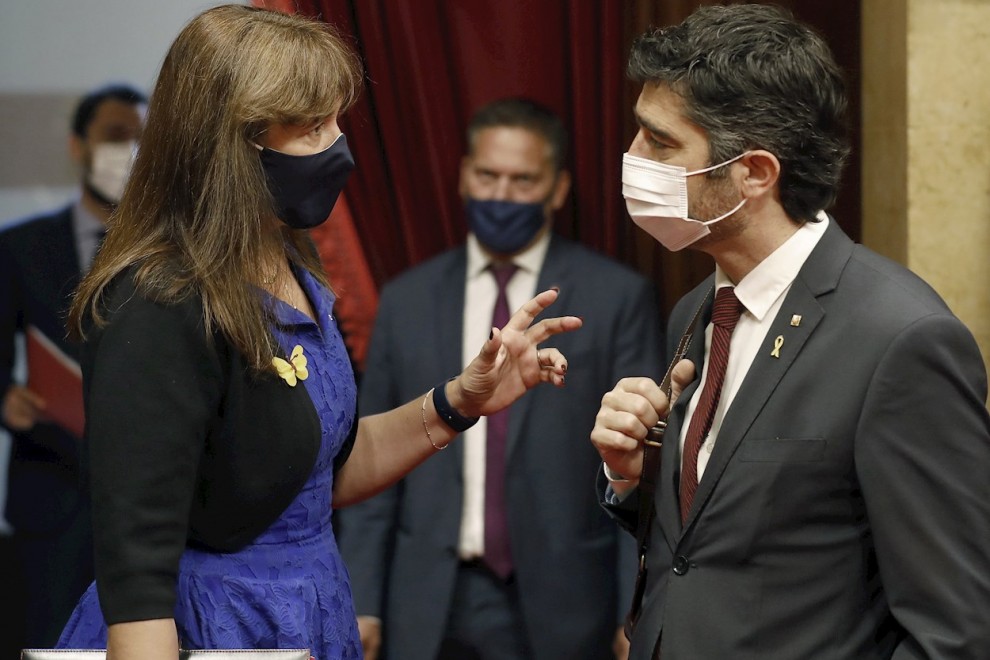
<point x="288" y="588"/>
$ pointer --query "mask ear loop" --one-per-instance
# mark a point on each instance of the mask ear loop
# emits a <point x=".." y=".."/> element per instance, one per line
<point x="327" y="148"/>
<point x="723" y="216"/>
<point x="715" y="167"/>
<point x="709" y="169"/>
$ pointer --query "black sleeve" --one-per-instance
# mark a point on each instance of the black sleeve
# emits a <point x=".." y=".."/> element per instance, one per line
<point x="153" y="385"/>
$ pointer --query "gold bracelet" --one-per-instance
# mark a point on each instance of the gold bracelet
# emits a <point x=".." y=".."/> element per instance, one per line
<point x="425" y="426"/>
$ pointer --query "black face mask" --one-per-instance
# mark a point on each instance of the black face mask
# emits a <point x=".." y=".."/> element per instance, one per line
<point x="305" y="188"/>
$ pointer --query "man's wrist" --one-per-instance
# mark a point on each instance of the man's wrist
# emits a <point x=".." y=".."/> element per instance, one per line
<point x="614" y="477"/>
<point x="619" y="486"/>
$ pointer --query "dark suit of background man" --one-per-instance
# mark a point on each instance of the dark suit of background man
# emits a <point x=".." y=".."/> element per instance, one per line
<point x="41" y="260"/>
<point x="415" y="551"/>
<point x="843" y="507"/>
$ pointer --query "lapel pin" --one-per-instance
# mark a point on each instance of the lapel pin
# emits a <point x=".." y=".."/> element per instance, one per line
<point x="796" y="320"/>
<point x="777" y="343"/>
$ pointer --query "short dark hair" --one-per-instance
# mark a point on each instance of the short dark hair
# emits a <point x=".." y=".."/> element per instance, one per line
<point x="753" y="77"/>
<point x="88" y="104"/>
<point x="518" y="112"/>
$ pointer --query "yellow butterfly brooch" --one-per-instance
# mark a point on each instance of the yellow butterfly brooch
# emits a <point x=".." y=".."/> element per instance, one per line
<point x="292" y="369"/>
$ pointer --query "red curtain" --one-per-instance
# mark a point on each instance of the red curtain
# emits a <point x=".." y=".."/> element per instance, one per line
<point x="431" y="63"/>
<point x="347" y="268"/>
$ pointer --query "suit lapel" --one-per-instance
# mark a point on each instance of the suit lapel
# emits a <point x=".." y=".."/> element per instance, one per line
<point x="552" y="273"/>
<point x="761" y="380"/>
<point x="62" y="257"/>
<point x="69" y="248"/>
<point x="818" y="276"/>
<point x="449" y="336"/>
<point x="667" y="500"/>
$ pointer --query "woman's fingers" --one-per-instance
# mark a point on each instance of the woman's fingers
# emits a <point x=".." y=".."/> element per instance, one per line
<point x="521" y="325"/>
<point x="526" y="314"/>
<point x="553" y="366"/>
<point x="546" y="328"/>
<point x="522" y="320"/>
<point x="511" y="360"/>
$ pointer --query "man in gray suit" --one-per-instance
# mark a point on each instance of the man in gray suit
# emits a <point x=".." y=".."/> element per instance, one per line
<point x="823" y="486"/>
<point x="418" y="554"/>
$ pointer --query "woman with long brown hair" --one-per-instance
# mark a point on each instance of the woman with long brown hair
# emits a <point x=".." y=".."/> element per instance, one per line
<point x="221" y="421"/>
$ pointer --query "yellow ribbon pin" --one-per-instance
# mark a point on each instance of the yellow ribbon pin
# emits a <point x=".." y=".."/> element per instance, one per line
<point x="777" y="343"/>
<point x="292" y="369"/>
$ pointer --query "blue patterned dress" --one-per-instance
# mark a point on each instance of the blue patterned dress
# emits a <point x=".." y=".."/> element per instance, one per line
<point x="288" y="588"/>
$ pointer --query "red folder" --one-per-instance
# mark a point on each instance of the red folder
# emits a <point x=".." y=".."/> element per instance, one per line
<point x="56" y="378"/>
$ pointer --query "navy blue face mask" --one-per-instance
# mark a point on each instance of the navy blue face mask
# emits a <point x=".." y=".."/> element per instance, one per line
<point x="305" y="188"/>
<point x="504" y="227"/>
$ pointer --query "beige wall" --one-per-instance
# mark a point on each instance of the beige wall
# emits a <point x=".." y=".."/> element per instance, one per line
<point x="926" y="146"/>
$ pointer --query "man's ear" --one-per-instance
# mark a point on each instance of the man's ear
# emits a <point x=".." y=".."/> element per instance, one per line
<point x="462" y="187"/>
<point x="759" y="174"/>
<point x="77" y="149"/>
<point x="560" y="190"/>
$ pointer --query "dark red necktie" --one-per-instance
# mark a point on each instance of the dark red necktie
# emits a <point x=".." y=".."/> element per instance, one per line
<point x="725" y="315"/>
<point x="498" y="555"/>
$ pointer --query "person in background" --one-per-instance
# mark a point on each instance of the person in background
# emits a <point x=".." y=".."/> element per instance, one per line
<point x="498" y="548"/>
<point x="823" y="487"/>
<point x="42" y="259"/>
<point x="221" y="424"/>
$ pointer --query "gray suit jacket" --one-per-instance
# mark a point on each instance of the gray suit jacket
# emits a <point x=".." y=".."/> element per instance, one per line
<point x="401" y="546"/>
<point x="845" y="511"/>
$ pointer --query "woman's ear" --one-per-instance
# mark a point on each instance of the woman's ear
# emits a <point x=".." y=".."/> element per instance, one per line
<point x="759" y="173"/>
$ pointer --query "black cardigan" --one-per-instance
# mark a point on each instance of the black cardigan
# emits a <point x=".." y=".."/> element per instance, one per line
<point x="186" y="447"/>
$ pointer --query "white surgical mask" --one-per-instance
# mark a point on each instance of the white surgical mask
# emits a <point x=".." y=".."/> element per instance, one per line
<point x="110" y="167"/>
<point x="657" y="200"/>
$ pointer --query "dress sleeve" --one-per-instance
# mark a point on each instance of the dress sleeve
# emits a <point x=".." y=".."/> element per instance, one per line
<point x="153" y="387"/>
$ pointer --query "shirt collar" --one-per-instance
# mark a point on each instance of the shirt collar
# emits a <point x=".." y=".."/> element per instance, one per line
<point x="763" y="285"/>
<point x="85" y="223"/>
<point x="530" y="259"/>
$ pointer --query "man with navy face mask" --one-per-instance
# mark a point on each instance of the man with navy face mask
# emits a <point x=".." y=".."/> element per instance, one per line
<point x="495" y="548"/>
<point x="511" y="183"/>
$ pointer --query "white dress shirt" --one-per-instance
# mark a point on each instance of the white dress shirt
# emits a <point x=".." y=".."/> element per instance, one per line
<point x="480" y="292"/>
<point x="87" y="231"/>
<point x="762" y="294"/>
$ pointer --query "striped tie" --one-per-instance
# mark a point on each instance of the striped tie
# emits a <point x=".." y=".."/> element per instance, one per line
<point x="725" y="315"/>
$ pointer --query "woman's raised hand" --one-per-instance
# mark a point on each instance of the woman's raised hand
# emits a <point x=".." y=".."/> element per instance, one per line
<point x="511" y="361"/>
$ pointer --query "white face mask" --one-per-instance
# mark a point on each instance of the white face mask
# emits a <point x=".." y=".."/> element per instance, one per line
<point x="657" y="200"/>
<point x="110" y="167"/>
